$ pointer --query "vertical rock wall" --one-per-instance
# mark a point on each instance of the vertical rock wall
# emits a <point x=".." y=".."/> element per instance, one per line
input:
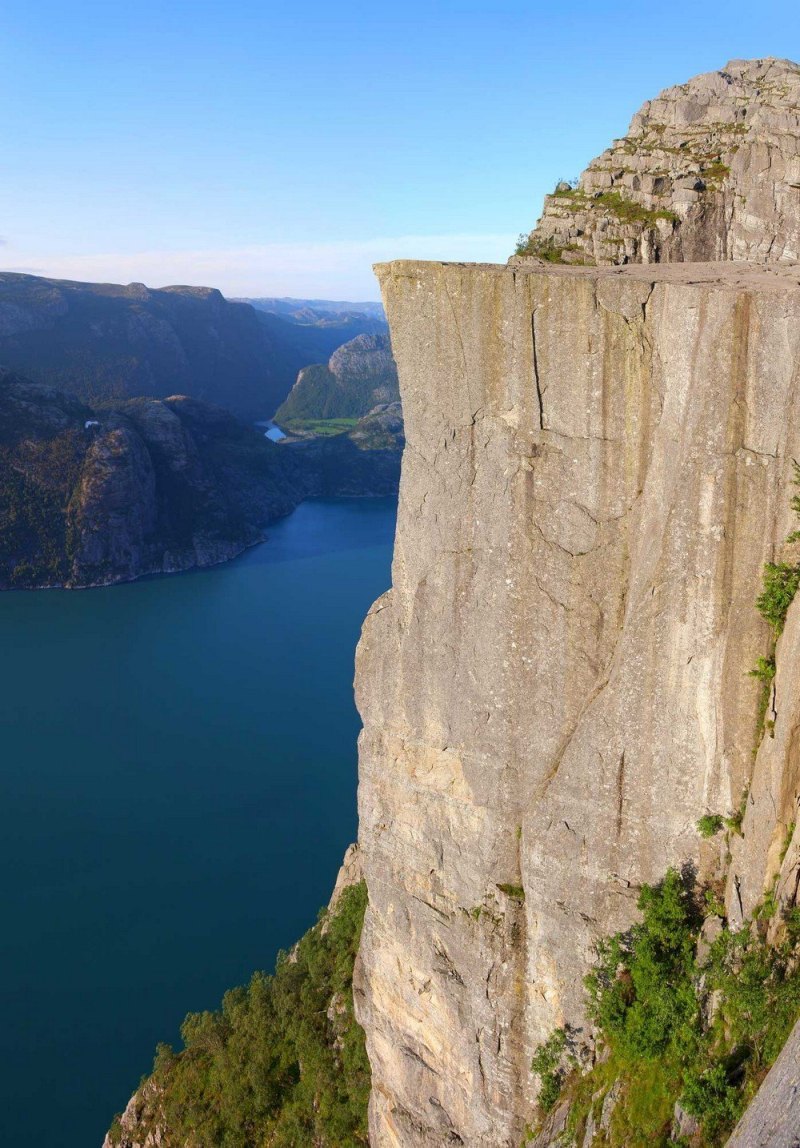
<point x="555" y="689"/>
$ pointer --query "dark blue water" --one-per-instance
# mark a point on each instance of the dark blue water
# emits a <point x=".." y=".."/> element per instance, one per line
<point x="178" y="772"/>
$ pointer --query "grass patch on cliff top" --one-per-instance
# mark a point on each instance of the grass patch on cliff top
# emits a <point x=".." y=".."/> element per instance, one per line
<point x="551" y="252"/>
<point x="628" y="211"/>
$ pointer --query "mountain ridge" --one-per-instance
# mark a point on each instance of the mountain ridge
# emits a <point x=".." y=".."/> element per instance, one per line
<point x="113" y="341"/>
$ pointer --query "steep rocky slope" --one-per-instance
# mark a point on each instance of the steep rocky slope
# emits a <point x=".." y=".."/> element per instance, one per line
<point x="90" y="497"/>
<point x="557" y="686"/>
<point x="101" y="341"/>
<point x="358" y="376"/>
<point x="773" y="1119"/>
<point x="312" y="336"/>
<point x="708" y="170"/>
<point x="95" y="496"/>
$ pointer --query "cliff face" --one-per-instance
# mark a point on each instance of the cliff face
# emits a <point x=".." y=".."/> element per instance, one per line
<point x="774" y="1115"/>
<point x="92" y="497"/>
<point x="556" y="687"/>
<point x="709" y="170"/>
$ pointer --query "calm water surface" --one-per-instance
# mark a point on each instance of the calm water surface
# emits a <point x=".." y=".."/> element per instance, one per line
<point x="178" y="773"/>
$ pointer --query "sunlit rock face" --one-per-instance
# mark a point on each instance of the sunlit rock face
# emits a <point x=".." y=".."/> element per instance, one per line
<point x="556" y="687"/>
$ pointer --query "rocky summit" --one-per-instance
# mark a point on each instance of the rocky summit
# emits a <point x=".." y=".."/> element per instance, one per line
<point x="708" y="170"/>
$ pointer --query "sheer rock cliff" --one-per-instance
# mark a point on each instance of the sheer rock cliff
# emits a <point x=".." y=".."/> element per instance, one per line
<point x="556" y="688"/>
<point x="773" y="1119"/>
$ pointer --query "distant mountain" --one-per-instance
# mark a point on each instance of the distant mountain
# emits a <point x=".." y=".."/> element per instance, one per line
<point x="104" y="341"/>
<point x="299" y="307"/>
<point x="91" y="496"/>
<point x="358" y="376"/>
<point x="313" y="339"/>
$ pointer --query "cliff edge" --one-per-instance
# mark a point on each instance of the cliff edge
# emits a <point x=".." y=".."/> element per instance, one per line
<point x="556" y="688"/>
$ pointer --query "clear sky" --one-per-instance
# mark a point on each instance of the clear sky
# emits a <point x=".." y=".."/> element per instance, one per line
<point x="280" y="148"/>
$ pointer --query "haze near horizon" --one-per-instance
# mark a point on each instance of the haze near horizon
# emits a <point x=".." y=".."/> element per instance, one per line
<point x="268" y="152"/>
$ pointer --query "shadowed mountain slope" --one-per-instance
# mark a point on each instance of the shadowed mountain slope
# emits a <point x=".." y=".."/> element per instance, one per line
<point x="104" y="341"/>
<point x="357" y="377"/>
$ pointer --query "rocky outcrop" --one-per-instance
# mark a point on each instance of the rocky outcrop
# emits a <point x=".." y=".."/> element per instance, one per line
<point x="93" y="497"/>
<point x="141" y="1125"/>
<point x="556" y="687"/>
<point x="350" y="873"/>
<point x="709" y="170"/>
<point x="359" y="375"/>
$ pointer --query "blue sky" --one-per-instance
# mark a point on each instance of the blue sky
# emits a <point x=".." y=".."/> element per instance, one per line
<point x="273" y="148"/>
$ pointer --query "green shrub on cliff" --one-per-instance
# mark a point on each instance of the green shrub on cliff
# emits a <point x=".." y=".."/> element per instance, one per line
<point x="781" y="582"/>
<point x="780" y="586"/>
<point x="676" y="1029"/>
<point x="282" y="1062"/>
<point x="640" y="991"/>
<point x="548" y="1064"/>
<point x="710" y="824"/>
